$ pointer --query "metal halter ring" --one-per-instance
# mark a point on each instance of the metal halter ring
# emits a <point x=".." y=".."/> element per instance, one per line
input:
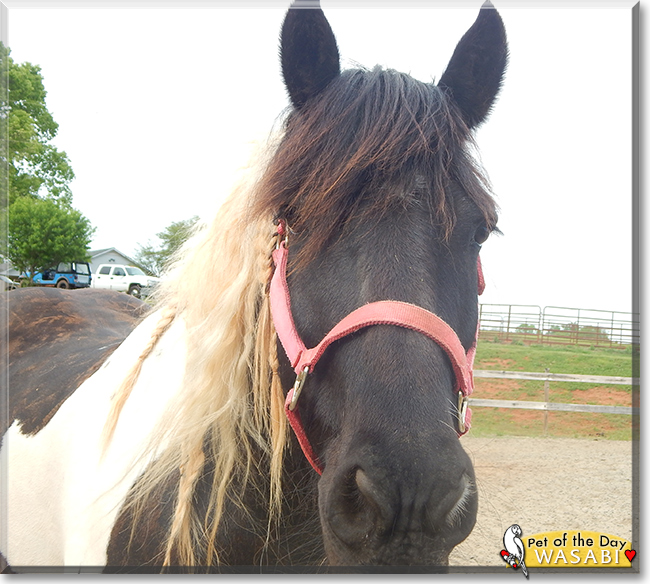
<point x="462" y="412"/>
<point x="282" y="234"/>
<point x="280" y="239"/>
<point x="297" y="388"/>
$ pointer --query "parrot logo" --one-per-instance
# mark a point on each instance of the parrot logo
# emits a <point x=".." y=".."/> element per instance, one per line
<point x="515" y="551"/>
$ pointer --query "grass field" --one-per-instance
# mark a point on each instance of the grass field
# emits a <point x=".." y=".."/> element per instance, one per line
<point x="558" y="359"/>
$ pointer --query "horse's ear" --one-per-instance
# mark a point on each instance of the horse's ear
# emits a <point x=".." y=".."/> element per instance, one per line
<point x="476" y="68"/>
<point x="310" y="57"/>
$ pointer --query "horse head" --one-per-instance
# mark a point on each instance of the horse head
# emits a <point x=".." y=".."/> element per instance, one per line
<point x="379" y="200"/>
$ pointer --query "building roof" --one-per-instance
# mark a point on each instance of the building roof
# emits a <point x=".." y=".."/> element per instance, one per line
<point x="97" y="252"/>
<point x="6" y="269"/>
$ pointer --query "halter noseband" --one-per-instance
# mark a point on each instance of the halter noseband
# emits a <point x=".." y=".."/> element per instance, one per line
<point x="391" y="312"/>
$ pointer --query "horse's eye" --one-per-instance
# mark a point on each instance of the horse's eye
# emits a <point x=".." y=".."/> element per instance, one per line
<point x="481" y="234"/>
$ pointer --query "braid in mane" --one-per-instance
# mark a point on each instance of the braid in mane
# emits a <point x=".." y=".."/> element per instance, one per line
<point x="123" y="392"/>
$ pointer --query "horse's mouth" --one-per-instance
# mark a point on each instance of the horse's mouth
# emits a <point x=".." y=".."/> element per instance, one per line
<point x="405" y="548"/>
<point x="411" y="549"/>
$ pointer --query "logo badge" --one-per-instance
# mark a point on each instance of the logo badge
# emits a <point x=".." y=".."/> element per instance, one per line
<point x="515" y="551"/>
<point x="565" y="549"/>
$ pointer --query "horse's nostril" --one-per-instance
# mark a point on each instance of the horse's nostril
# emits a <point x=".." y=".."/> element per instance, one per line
<point x="365" y="487"/>
<point x="351" y="495"/>
<point x="455" y="516"/>
<point x="356" y="508"/>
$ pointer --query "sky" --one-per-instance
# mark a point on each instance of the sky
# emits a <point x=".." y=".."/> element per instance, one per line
<point x="159" y="108"/>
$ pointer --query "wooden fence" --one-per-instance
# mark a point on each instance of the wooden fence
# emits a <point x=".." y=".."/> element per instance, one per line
<point x="548" y="406"/>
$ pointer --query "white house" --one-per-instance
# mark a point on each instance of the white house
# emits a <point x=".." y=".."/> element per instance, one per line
<point x="109" y="255"/>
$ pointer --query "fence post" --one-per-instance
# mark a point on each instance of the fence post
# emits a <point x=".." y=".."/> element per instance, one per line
<point x="546" y="392"/>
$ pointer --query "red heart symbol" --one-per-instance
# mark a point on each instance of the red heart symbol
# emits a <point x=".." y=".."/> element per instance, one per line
<point x="630" y="554"/>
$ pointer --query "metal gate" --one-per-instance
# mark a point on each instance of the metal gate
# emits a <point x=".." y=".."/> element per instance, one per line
<point x="558" y="325"/>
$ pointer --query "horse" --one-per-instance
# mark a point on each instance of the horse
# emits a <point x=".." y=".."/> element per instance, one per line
<point x="305" y="408"/>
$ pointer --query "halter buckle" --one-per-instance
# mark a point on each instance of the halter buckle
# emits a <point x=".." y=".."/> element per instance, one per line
<point x="462" y="412"/>
<point x="297" y="388"/>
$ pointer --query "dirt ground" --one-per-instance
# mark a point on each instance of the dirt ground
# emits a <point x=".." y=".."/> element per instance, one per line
<point x="546" y="484"/>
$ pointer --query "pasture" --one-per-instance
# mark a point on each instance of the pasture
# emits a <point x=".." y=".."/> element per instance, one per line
<point x="568" y="359"/>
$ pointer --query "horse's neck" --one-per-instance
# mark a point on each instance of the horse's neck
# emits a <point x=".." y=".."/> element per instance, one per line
<point x="297" y="536"/>
<point x="292" y="539"/>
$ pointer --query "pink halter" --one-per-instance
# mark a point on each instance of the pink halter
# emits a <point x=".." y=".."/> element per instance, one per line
<point x="303" y="360"/>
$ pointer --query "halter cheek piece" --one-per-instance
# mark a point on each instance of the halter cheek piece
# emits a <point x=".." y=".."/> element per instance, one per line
<point x="303" y="360"/>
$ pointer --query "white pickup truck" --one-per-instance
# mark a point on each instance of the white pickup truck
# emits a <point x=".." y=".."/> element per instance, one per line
<point x="123" y="278"/>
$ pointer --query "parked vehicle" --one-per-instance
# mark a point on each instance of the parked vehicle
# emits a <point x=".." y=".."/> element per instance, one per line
<point x="65" y="275"/>
<point x="7" y="283"/>
<point x="124" y="278"/>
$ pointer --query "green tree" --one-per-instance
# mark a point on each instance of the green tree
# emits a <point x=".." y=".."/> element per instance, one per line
<point x="31" y="165"/>
<point x="155" y="258"/>
<point x="43" y="233"/>
<point x="40" y="227"/>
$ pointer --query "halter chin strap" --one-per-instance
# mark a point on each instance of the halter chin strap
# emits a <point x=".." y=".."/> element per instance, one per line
<point x="387" y="312"/>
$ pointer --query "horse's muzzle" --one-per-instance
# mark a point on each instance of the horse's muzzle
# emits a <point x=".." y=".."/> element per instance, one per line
<point x="389" y="513"/>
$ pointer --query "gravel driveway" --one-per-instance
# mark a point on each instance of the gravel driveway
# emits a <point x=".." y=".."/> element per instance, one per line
<point x="546" y="484"/>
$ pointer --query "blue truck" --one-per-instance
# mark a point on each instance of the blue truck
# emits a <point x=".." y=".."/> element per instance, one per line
<point x="65" y="275"/>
